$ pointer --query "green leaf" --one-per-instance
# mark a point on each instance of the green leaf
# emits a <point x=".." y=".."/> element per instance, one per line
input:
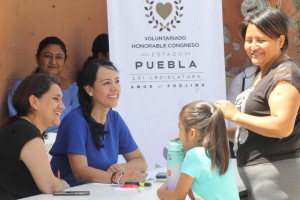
<point x="161" y="24"/>
<point x="180" y="15"/>
<point x="150" y="8"/>
<point x="155" y="27"/>
<point x="179" y="1"/>
<point x="147" y="15"/>
<point x="173" y="26"/>
<point x="168" y="24"/>
<point x="177" y="7"/>
<point x="147" y="1"/>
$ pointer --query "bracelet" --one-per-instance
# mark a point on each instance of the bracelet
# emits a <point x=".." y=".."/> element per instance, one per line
<point x="115" y="177"/>
<point x="112" y="176"/>
<point x="121" y="174"/>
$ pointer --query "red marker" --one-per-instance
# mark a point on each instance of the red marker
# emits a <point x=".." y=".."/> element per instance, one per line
<point x="129" y="186"/>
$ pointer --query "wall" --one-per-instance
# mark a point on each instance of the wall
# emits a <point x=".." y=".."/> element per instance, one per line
<point x="24" y="23"/>
<point x="235" y="57"/>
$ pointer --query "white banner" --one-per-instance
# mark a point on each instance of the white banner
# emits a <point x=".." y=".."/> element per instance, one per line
<point x="169" y="53"/>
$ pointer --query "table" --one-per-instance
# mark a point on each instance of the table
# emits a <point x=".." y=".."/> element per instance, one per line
<point x="107" y="191"/>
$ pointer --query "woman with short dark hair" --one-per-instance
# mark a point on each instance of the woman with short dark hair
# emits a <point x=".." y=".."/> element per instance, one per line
<point x="267" y="138"/>
<point x="24" y="166"/>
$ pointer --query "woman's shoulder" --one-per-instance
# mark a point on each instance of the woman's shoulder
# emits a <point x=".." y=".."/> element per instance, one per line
<point x="22" y="124"/>
<point x="114" y="116"/>
<point x="76" y="113"/>
<point x="22" y="128"/>
<point x="67" y="84"/>
<point x="286" y="71"/>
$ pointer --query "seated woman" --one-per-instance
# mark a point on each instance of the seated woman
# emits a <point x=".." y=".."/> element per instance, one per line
<point x="91" y="137"/>
<point x="24" y="166"/>
<point x="51" y="58"/>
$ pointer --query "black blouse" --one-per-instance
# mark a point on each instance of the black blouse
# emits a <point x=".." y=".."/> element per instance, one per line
<point x="16" y="180"/>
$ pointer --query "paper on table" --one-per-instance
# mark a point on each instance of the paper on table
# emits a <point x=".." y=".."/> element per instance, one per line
<point x="151" y="176"/>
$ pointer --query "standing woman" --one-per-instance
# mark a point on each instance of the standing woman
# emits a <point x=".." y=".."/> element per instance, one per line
<point x="91" y="137"/>
<point x="24" y="166"/>
<point x="51" y="58"/>
<point x="267" y="138"/>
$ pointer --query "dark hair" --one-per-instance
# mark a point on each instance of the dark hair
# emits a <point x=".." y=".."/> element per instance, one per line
<point x="47" y="41"/>
<point x="88" y="76"/>
<point x="270" y="21"/>
<point x="100" y="44"/>
<point x="34" y="84"/>
<point x="209" y="121"/>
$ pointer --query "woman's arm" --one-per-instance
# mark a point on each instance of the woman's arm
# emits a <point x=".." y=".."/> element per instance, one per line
<point x="134" y="161"/>
<point x="182" y="189"/>
<point x="87" y="174"/>
<point x="284" y="104"/>
<point x="34" y="155"/>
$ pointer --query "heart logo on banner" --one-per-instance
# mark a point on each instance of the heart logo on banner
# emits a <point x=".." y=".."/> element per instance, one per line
<point x="164" y="10"/>
<point x="158" y="14"/>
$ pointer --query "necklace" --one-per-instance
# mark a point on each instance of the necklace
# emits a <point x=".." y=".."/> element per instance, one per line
<point x="31" y="120"/>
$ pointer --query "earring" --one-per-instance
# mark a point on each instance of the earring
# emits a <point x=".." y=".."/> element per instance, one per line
<point x="35" y="108"/>
<point x="91" y="94"/>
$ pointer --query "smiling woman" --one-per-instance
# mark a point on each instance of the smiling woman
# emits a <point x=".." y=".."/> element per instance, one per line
<point x="50" y="58"/>
<point x="24" y="166"/>
<point x="92" y="136"/>
<point x="267" y="138"/>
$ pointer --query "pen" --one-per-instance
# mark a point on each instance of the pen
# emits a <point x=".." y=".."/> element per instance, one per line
<point x="58" y="174"/>
<point x="141" y="184"/>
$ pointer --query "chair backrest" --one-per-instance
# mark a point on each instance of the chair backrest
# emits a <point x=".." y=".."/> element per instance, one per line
<point x="49" y="143"/>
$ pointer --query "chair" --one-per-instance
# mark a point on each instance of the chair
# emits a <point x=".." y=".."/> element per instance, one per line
<point x="49" y="143"/>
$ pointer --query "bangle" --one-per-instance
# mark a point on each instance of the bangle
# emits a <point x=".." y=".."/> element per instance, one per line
<point x="121" y="174"/>
<point x="112" y="176"/>
<point x="115" y="177"/>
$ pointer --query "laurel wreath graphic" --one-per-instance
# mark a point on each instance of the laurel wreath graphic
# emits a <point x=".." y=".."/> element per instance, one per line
<point x="159" y="24"/>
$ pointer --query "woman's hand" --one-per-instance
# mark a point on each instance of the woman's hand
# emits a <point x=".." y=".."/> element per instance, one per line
<point x="115" y="168"/>
<point x="64" y="184"/>
<point x="229" y="110"/>
<point x="135" y="176"/>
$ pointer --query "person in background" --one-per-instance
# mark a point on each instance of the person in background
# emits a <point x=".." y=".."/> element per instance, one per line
<point x="100" y="47"/>
<point x="237" y="86"/>
<point x="24" y="166"/>
<point x="51" y="58"/>
<point x="206" y="169"/>
<point x="267" y="138"/>
<point x="91" y="137"/>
